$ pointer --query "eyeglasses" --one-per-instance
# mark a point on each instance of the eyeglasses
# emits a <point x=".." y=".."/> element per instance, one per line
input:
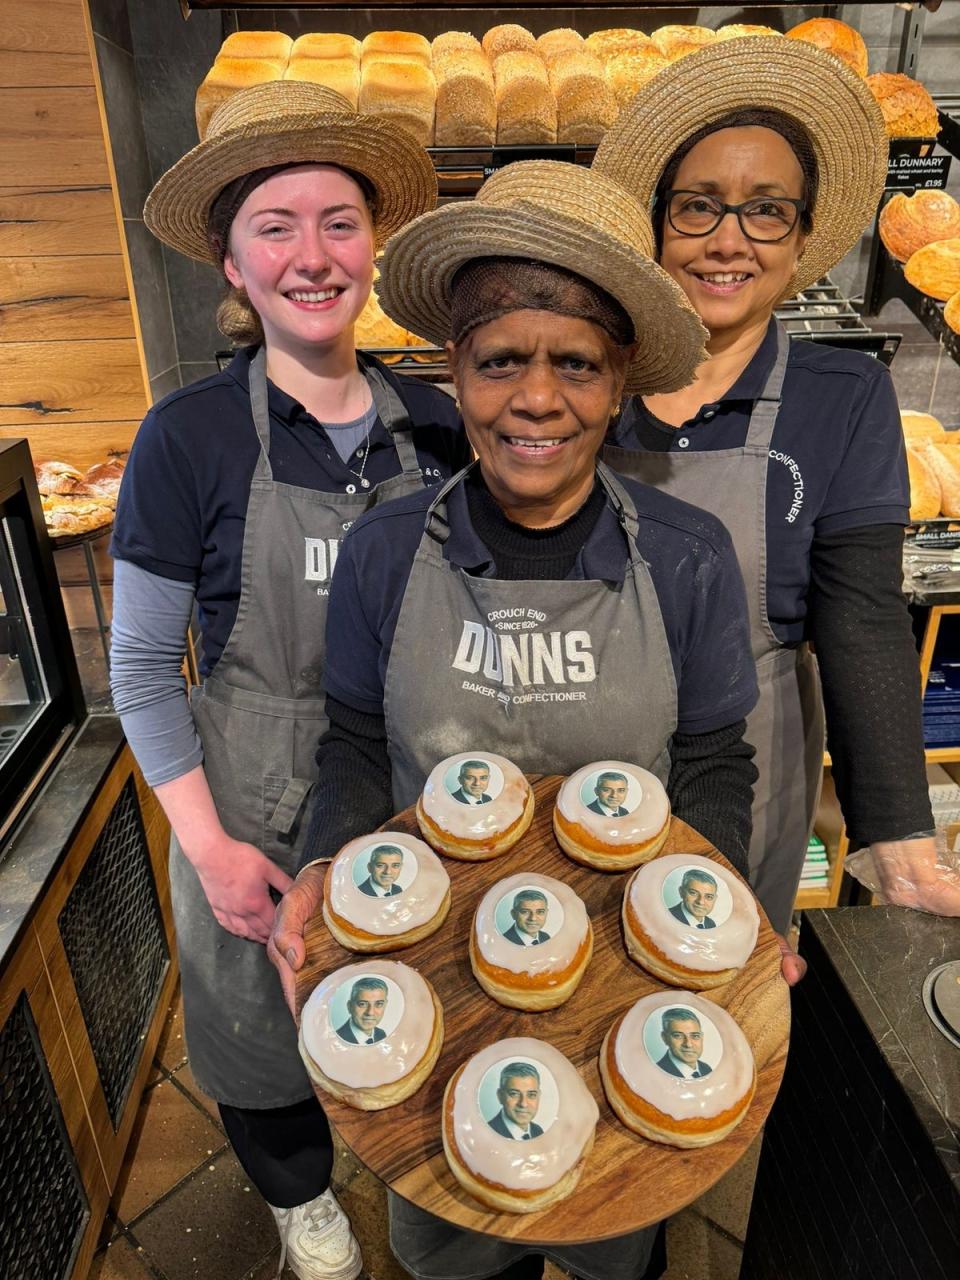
<point x="764" y="218"/>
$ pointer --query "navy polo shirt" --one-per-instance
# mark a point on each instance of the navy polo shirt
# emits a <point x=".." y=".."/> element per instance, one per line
<point x="837" y="458"/>
<point x="689" y="555"/>
<point x="183" y="501"/>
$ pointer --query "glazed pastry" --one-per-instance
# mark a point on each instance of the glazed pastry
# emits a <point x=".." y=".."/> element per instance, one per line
<point x="935" y="269"/>
<point x="507" y="1091"/>
<point x="677" y="1069"/>
<point x="531" y="942"/>
<point x="611" y="815"/>
<point x="385" y="891"/>
<point x="688" y="921"/>
<point x="370" y="1033"/>
<point x="475" y="806"/>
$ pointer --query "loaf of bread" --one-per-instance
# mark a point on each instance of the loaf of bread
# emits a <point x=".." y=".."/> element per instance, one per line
<point x="405" y="92"/>
<point x="908" y="110"/>
<point x="466" y="100"/>
<point x="944" y="460"/>
<point x="526" y="107"/>
<point x="561" y="40"/>
<point x="836" y="38"/>
<point x="340" y="74"/>
<point x="325" y="44"/>
<point x="607" y="44"/>
<point x="925" y="495"/>
<point x="454" y="42"/>
<point x="734" y="30"/>
<point x="935" y="269"/>
<point x="677" y="41"/>
<point x="374" y="328"/>
<point x="257" y="44"/>
<point x="907" y="223"/>
<point x="918" y="427"/>
<point x="628" y="72"/>
<point x="228" y="76"/>
<point x="586" y="106"/>
<point x="508" y="38"/>
<point x="951" y="313"/>
<point x="396" y="42"/>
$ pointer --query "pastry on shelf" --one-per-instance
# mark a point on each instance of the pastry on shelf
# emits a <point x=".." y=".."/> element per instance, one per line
<point x="908" y="223"/>
<point x="342" y="75"/>
<point x="908" y="110"/>
<point x="454" y="42"/>
<point x="921" y="426"/>
<point x="737" y="30"/>
<point x="951" y="312"/>
<point x="374" y="328"/>
<point x="834" y="37"/>
<point x="474" y="806"/>
<point x="629" y="71"/>
<point x="611" y="815"/>
<point x="607" y="44"/>
<point x="676" y="41"/>
<point x="935" y="269"/>
<point x="944" y="460"/>
<point x="925" y="495"/>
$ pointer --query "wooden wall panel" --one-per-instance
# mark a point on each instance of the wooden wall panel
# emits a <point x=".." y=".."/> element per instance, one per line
<point x="51" y="137"/>
<point x="54" y="299"/>
<point x="43" y="44"/>
<point x="61" y="382"/>
<point x="54" y="220"/>
<point x="79" y="443"/>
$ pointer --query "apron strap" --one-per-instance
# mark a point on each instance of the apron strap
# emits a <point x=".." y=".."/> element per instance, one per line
<point x="763" y="416"/>
<point x="261" y="413"/>
<point x="392" y="412"/>
<point x="623" y="506"/>
<point x="436" y="527"/>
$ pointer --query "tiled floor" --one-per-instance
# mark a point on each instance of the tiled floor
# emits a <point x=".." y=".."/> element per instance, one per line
<point x="184" y="1209"/>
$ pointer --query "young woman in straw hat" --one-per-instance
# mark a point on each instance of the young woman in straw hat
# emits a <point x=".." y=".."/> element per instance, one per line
<point x="649" y="588"/>
<point x="237" y="494"/>
<point x="763" y="161"/>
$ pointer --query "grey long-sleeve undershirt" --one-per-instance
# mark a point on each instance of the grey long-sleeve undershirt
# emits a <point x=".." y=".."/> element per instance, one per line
<point x="150" y="620"/>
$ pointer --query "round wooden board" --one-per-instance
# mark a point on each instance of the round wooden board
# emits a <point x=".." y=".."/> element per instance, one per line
<point x="627" y="1182"/>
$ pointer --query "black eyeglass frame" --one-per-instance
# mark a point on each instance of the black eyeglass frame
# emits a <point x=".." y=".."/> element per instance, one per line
<point x="799" y="205"/>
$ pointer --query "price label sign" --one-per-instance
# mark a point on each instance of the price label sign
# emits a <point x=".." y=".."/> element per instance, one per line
<point x="906" y="172"/>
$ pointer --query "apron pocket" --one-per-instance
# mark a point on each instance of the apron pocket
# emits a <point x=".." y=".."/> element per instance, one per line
<point x="284" y="807"/>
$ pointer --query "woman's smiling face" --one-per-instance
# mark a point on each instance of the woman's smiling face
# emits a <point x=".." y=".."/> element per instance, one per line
<point x="733" y="282"/>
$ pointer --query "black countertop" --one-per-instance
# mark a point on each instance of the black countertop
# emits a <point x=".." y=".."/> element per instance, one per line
<point x="882" y="955"/>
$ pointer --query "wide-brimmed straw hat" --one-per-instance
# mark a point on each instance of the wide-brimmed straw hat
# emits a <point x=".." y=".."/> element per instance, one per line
<point x="829" y="100"/>
<point x="562" y="214"/>
<point x="289" y="122"/>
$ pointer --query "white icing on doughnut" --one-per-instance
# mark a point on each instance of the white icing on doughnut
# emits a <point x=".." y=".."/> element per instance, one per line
<point x="540" y="1162"/>
<point x="415" y="906"/>
<point x="480" y="821"/>
<point x="546" y="957"/>
<point x="645" y="820"/>
<point x="367" y="1066"/>
<point x="684" y="1099"/>
<point x="728" y="946"/>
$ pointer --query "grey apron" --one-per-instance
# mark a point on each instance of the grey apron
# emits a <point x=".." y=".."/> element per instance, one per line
<point x="460" y="678"/>
<point x="259" y="716"/>
<point x="786" y="726"/>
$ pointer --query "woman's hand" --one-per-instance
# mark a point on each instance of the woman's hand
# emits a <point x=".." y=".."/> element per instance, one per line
<point x="236" y="878"/>
<point x="792" y="966"/>
<point x="911" y="874"/>
<point x="286" y="947"/>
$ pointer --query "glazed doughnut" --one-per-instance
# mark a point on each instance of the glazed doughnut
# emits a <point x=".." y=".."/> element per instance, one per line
<point x="474" y="806"/>
<point x="537" y="974"/>
<point x="665" y="903"/>
<point x="370" y="1033"/>
<point x="385" y="891"/>
<point x="614" y="836"/>
<point x="510" y="1088"/>
<point x="647" y="1059"/>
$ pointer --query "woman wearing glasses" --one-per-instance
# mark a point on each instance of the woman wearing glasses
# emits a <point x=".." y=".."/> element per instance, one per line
<point x="763" y="161"/>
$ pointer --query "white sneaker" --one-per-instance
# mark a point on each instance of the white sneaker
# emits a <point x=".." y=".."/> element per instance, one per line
<point x="318" y="1243"/>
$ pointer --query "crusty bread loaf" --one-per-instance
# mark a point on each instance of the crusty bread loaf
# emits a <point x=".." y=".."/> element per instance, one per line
<point x="735" y="30"/>
<point x="408" y="42"/>
<point x="508" y="38"/>
<point x="908" y="110"/>
<point x="374" y="328"/>
<point x="925" y="494"/>
<point x="257" y="44"/>
<point x="921" y="426"/>
<point x="607" y="44"/>
<point x="325" y="44"/>
<point x="586" y="106"/>
<point x="675" y="41"/>
<point x="404" y="92"/>
<point x="626" y="73"/>
<point x="466" y="100"/>
<point x="561" y="40"/>
<point x="951" y="313"/>
<point x="228" y="76"/>
<point x="526" y="107"/>
<point x="340" y="74"/>
<point x="935" y="269"/>
<point x="836" y="38"/>
<point x="944" y="459"/>
<point x="454" y="42"/>
<point x="907" y="223"/>
<point x="398" y="59"/>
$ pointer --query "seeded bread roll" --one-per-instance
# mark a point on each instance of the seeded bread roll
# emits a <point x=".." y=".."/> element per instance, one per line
<point x="340" y="74"/>
<point x="677" y="41"/>
<point x="734" y="30"/>
<point x="836" y="38"/>
<point x="935" y="269"/>
<point x="908" y="110"/>
<point x="256" y="44"/>
<point x="229" y="75"/>
<point x="325" y="44"/>
<point x="404" y="92"/>
<point x="562" y="40"/>
<point x="466" y="100"/>
<point x="907" y="223"/>
<point x="405" y="42"/>
<point x="615" y="40"/>
<point x="626" y="73"/>
<point x="526" y="107"/>
<point x="454" y="42"/>
<point x="508" y="38"/>
<point x="586" y="106"/>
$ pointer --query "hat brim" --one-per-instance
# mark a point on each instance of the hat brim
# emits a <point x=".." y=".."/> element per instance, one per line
<point x="419" y="264"/>
<point x="832" y="103"/>
<point x="400" y="171"/>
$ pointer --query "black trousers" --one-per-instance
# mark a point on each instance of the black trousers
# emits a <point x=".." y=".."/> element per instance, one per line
<point x="287" y="1152"/>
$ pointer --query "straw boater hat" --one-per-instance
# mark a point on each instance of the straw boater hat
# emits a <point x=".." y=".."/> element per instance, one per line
<point x="562" y="214"/>
<point x="832" y="103"/>
<point x="289" y="122"/>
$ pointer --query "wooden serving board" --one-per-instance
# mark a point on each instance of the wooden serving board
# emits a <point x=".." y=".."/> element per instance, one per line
<point x="627" y="1182"/>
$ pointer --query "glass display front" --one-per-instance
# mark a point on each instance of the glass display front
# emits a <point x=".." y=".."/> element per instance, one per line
<point x="23" y="691"/>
